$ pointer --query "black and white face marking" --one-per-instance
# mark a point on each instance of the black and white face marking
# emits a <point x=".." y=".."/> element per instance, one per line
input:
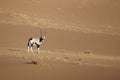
<point x="41" y="39"/>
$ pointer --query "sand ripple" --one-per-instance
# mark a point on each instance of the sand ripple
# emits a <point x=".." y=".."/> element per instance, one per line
<point x="63" y="56"/>
<point x="11" y="17"/>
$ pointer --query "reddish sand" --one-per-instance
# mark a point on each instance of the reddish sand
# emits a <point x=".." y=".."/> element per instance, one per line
<point x="82" y="40"/>
<point x="61" y="57"/>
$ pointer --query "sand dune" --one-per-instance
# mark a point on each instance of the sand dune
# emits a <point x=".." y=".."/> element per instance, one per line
<point x="82" y="40"/>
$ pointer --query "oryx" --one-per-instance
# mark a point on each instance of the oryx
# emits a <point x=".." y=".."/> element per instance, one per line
<point x="36" y="41"/>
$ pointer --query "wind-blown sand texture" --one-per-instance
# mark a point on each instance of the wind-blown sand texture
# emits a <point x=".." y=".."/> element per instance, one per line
<point x="82" y="40"/>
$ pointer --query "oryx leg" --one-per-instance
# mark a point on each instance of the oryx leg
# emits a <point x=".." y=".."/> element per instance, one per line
<point x="31" y="49"/>
<point x="38" y="48"/>
<point x="28" y="46"/>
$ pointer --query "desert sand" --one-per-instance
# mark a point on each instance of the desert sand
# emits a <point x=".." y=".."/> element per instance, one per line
<point x="82" y="39"/>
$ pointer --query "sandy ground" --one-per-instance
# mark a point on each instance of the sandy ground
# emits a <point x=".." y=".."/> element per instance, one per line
<point x="58" y="60"/>
<point x="82" y="40"/>
<point x="16" y="64"/>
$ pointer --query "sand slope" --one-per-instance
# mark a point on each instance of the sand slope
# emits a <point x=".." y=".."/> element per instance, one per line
<point x="16" y="64"/>
<point x="82" y="40"/>
<point x="63" y="55"/>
